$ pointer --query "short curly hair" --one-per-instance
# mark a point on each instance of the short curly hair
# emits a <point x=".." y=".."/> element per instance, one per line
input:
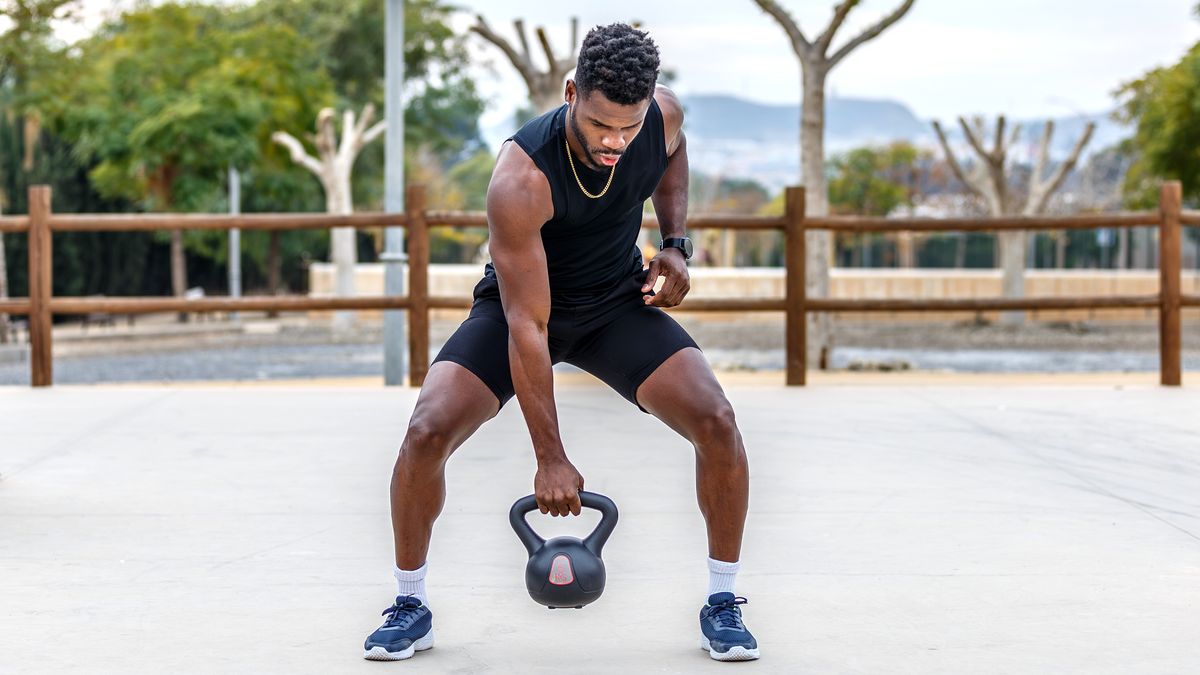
<point x="620" y="61"/>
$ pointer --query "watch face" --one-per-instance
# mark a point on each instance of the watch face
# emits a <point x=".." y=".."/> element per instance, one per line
<point x="687" y="248"/>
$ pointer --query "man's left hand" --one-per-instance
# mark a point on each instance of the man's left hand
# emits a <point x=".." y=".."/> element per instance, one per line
<point x="670" y="264"/>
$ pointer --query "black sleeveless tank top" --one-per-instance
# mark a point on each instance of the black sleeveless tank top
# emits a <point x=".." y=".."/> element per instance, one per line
<point x="591" y="244"/>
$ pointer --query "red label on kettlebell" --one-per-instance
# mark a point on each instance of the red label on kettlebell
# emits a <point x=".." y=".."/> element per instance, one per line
<point x="560" y="571"/>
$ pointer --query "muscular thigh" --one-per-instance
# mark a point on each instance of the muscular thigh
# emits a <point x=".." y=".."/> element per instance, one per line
<point x="480" y="346"/>
<point x="627" y="349"/>
<point x="684" y="393"/>
<point x="453" y="403"/>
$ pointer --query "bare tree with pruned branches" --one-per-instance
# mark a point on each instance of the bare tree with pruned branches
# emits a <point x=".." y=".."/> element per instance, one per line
<point x="545" y="86"/>
<point x="333" y="169"/>
<point x="991" y="181"/>
<point x="816" y="62"/>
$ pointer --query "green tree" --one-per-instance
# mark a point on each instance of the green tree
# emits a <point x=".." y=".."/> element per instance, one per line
<point x="869" y="182"/>
<point x="173" y="95"/>
<point x="29" y="57"/>
<point x="442" y="115"/>
<point x="32" y="61"/>
<point x="864" y="181"/>
<point x="1164" y="106"/>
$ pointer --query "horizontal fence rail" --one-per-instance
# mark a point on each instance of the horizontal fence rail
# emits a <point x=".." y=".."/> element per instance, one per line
<point x="871" y="224"/>
<point x="187" y="221"/>
<point x="14" y="224"/>
<point x="979" y="304"/>
<point x="41" y="305"/>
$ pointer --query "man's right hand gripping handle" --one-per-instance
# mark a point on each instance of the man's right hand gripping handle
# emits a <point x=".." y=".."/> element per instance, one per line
<point x="556" y="486"/>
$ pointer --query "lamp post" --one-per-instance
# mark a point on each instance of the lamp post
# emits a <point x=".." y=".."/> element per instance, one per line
<point x="394" y="258"/>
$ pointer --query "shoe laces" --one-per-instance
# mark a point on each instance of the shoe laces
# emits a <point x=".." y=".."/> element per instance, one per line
<point x="726" y="614"/>
<point x="404" y="612"/>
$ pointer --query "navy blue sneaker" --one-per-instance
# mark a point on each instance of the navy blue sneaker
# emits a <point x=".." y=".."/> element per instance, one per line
<point x="407" y="630"/>
<point x="723" y="635"/>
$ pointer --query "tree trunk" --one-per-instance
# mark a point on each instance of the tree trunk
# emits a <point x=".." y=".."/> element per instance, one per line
<point x="5" y="325"/>
<point x="344" y="253"/>
<point x="1141" y="248"/>
<point x="1010" y="258"/>
<point x="178" y="269"/>
<point x="547" y="100"/>
<point x="728" y="249"/>
<point x="905" y="250"/>
<point x="274" y="271"/>
<point x="1012" y="265"/>
<point x="819" y="243"/>
<point x="334" y="169"/>
<point x="1060" y="249"/>
<point x="162" y="181"/>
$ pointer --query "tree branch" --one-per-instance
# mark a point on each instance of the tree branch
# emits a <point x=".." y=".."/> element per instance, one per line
<point x="368" y="116"/>
<point x="523" y="65"/>
<point x="326" y="141"/>
<point x="348" y="128"/>
<point x="372" y="133"/>
<point x="542" y="38"/>
<point x="871" y="32"/>
<point x="800" y="45"/>
<point x="839" y="15"/>
<point x="1060" y="174"/>
<point x="955" y="168"/>
<point x="299" y="155"/>
<point x="519" y="26"/>
<point x="568" y="64"/>
<point x="1012" y="138"/>
<point x="1039" y="167"/>
<point x="973" y="139"/>
<point x="998" y="145"/>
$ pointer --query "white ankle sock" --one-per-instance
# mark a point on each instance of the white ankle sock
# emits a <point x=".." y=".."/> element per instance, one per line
<point x="411" y="582"/>
<point x="722" y="575"/>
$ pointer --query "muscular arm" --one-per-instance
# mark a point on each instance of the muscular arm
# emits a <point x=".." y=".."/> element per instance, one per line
<point x="671" y="196"/>
<point x="518" y="204"/>
<point x="670" y="205"/>
<point x="517" y="207"/>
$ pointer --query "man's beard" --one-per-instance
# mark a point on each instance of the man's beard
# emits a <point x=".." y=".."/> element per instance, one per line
<point x="589" y="153"/>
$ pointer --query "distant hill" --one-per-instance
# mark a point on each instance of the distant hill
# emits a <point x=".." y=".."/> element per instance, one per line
<point x="732" y="118"/>
<point x="732" y="136"/>
<point x="736" y="137"/>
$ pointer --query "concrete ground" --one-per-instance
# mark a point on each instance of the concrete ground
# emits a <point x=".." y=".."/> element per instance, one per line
<point x="944" y="526"/>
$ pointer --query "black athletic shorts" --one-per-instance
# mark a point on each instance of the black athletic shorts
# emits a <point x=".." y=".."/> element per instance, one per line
<point x="618" y="338"/>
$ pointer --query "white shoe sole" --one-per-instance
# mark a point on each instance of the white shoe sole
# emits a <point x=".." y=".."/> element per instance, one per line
<point x="734" y="653"/>
<point x="378" y="653"/>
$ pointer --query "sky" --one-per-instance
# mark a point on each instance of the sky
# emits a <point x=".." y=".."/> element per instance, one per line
<point x="1023" y="58"/>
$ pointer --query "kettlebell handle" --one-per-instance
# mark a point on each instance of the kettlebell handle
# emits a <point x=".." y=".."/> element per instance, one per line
<point x="594" y="542"/>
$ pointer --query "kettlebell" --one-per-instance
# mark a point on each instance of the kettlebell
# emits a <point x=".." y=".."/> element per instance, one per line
<point x="565" y="571"/>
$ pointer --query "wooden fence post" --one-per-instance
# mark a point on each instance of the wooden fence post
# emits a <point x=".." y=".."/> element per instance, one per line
<point x="1170" y="266"/>
<point x="418" y="285"/>
<point x="796" y="349"/>
<point x="41" y="286"/>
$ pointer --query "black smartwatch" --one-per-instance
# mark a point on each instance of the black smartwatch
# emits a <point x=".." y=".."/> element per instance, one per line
<point x="684" y="245"/>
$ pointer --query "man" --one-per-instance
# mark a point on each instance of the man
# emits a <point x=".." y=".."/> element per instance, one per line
<point x="567" y="284"/>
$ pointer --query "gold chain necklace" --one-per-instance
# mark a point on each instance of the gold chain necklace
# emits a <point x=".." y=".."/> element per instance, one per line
<point x="579" y="182"/>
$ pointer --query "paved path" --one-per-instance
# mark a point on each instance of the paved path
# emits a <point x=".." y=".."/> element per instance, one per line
<point x="893" y="529"/>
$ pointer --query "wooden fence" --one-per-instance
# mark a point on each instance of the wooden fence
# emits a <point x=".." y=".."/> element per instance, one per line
<point x="42" y="305"/>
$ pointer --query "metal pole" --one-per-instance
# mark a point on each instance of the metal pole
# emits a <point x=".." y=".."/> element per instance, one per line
<point x="393" y="257"/>
<point x="235" y="239"/>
